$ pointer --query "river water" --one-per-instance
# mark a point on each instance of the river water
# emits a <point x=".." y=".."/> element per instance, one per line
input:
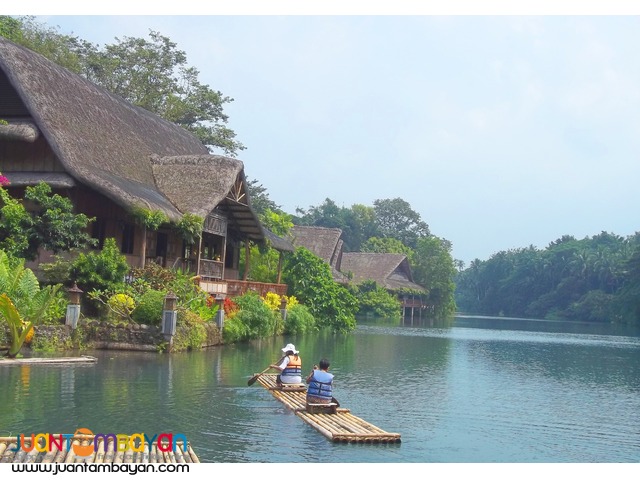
<point x="481" y="390"/>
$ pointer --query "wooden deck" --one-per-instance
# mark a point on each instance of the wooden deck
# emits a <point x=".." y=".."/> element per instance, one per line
<point x="341" y="427"/>
<point x="84" y="359"/>
<point x="101" y="455"/>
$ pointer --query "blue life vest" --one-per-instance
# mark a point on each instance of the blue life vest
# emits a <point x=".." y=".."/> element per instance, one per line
<point x="320" y="384"/>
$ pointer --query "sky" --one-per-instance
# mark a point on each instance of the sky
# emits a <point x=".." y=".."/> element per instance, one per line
<point x="502" y="130"/>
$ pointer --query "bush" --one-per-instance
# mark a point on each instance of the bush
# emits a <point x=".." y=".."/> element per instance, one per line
<point x="104" y="270"/>
<point x="190" y="331"/>
<point x="377" y="301"/>
<point x="234" y="330"/>
<point x="299" y="320"/>
<point x="258" y="319"/>
<point x="149" y="309"/>
<point x="310" y="280"/>
<point x="121" y="305"/>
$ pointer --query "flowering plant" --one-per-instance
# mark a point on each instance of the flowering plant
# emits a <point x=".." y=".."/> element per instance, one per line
<point x="4" y="181"/>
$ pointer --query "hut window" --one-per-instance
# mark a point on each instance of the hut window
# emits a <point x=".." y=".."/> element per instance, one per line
<point x="127" y="238"/>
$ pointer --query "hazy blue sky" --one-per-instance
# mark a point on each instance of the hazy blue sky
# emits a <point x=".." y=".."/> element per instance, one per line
<point x="501" y="131"/>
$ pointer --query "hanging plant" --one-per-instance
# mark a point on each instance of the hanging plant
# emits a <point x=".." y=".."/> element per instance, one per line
<point x="190" y="227"/>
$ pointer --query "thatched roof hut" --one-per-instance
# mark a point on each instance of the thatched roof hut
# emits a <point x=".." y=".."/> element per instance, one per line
<point x="388" y="270"/>
<point x="324" y="243"/>
<point x="128" y="154"/>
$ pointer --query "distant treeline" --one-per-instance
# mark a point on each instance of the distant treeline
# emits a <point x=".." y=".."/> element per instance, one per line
<point x="596" y="279"/>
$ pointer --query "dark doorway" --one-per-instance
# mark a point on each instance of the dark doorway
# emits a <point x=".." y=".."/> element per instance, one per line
<point x="161" y="248"/>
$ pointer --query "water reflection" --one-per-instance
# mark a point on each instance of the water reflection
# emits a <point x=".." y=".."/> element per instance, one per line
<point x="467" y="392"/>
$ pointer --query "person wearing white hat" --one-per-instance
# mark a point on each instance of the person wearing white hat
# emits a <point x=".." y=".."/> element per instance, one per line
<point x="290" y="366"/>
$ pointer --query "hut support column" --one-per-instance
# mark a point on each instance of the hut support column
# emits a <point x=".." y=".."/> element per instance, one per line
<point x="279" y="279"/>
<point x="247" y="260"/>
<point x="199" y="255"/>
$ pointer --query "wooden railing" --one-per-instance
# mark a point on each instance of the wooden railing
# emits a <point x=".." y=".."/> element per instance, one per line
<point x="412" y="302"/>
<point x="210" y="268"/>
<point x="236" y="288"/>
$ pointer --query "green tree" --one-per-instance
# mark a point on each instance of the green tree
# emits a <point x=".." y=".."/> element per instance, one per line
<point x="310" y="281"/>
<point x="435" y="270"/>
<point x="260" y="201"/>
<point x="387" y="245"/>
<point x="397" y="220"/>
<point x="50" y="223"/>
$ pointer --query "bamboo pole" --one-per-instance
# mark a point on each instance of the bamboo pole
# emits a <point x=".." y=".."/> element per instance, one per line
<point x="50" y="455"/>
<point x="71" y="456"/>
<point x="8" y="455"/>
<point x="19" y="456"/>
<point x="145" y="454"/>
<point x="322" y="430"/>
<point x="59" y="458"/>
<point x="193" y="455"/>
<point x="118" y="457"/>
<point x="99" y="458"/>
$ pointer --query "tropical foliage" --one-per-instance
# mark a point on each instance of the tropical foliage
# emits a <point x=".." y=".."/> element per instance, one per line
<point x="49" y="224"/>
<point x="23" y="303"/>
<point x="593" y="279"/>
<point x="310" y="281"/>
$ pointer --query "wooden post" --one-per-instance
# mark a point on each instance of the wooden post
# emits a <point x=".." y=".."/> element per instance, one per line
<point x="279" y="279"/>
<point x="247" y="260"/>
<point x="199" y="254"/>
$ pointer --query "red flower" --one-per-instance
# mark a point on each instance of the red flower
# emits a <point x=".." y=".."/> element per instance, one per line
<point x="229" y="306"/>
<point x="4" y="181"/>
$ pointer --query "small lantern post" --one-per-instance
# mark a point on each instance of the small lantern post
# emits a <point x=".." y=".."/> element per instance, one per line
<point x="220" y="312"/>
<point x="283" y="307"/>
<point x="73" y="307"/>
<point x="169" y="318"/>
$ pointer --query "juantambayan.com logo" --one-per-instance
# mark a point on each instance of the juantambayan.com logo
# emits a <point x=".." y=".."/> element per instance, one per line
<point x="120" y="442"/>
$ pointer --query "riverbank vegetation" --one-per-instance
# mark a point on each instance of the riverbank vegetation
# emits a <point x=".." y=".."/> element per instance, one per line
<point x="596" y="279"/>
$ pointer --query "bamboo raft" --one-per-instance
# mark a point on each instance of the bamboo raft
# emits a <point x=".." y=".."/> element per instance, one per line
<point x="48" y="360"/>
<point x="339" y="427"/>
<point x="101" y="455"/>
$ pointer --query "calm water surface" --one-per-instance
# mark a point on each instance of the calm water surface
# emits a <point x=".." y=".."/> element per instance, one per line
<point x="483" y="390"/>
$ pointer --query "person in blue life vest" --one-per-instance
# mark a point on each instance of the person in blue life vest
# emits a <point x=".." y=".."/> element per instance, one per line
<point x="290" y="366"/>
<point x="320" y="381"/>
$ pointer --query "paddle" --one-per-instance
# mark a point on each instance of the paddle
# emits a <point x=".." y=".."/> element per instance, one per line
<point x="253" y="379"/>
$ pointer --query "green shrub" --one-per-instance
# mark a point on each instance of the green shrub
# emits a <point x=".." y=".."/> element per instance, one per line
<point x="234" y="330"/>
<point x="310" y="280"/>
<point x="299" y="320"/>
<point x="104" y="270"/>
<point x="190" y="331"/>
<point x="258" y="319"/>
<point x="121" y="306"/>
<point x="149" y="309"/>
<point x="377" y="301"/>
<point x="57" y="309"/>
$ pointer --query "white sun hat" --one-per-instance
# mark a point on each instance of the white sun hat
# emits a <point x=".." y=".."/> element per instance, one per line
<point x="290" y="347"/>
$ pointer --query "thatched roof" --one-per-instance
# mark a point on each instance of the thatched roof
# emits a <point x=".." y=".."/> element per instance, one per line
<point x="129" y="154"/>
<point x="279" y="243"/>
<point x="389" y="270"/>
<point x="321" y="241"/>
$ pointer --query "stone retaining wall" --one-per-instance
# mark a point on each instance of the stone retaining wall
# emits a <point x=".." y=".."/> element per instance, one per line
<point x="92" y="334"/>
